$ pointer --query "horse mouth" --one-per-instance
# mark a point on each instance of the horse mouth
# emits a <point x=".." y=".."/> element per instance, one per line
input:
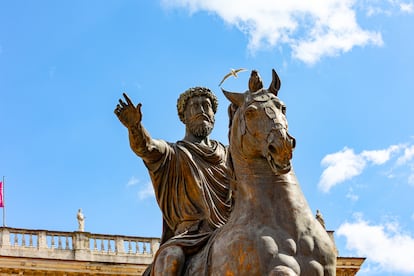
<point x="278" y="168"/>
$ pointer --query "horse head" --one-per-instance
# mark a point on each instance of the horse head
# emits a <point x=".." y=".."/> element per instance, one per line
<point x="259" y="128"/>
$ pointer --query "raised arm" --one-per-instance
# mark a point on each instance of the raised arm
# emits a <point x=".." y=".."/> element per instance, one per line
<point x="139" y="139"/>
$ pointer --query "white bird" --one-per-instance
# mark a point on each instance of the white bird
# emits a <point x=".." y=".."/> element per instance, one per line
<point x="233" y="72"/>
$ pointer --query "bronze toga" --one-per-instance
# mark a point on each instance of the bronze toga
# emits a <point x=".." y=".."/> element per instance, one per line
<point x="192" y="188"/>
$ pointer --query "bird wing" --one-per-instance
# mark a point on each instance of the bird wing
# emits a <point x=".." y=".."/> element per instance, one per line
<point x="233" y="72"/>
<point x="239" y="70"/>
<point x="225" y="77"/>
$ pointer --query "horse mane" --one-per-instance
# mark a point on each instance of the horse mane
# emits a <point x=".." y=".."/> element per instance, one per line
<point x="233" y="187"/>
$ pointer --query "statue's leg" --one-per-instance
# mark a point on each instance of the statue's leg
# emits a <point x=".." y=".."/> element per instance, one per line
<point x="170" y="261"/>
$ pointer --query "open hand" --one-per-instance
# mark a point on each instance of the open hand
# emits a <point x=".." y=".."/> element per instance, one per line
<point x="129" y="114"/>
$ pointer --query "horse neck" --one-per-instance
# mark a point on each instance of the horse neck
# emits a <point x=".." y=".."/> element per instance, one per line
<point x="255" y="178"/>
<point x="260" y="191"/>
<point x="247" y="169"/>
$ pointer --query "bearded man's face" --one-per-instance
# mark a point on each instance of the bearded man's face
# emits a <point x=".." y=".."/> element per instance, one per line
<point x="199" y="116"/>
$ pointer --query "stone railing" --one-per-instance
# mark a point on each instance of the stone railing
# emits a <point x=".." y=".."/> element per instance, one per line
<point x="79" y="246"/>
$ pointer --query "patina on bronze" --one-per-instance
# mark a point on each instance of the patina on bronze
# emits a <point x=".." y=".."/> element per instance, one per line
<point x="191" y="178"/>
<point x="271" y="229"/>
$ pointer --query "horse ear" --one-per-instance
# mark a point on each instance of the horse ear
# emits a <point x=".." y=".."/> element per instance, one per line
<point x="275" y="85"/>
<point x="235" y="98"/>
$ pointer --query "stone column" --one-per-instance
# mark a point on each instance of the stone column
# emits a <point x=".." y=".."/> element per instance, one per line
<point x="81" y="246"/>
<point x="154" y="246"/>
<point x="41" y="240"/>
<point x="5" y="238"/>
<point x="119" y="243"/>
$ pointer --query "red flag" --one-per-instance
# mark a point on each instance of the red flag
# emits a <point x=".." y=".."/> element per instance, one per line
<point x="1" y="195"/>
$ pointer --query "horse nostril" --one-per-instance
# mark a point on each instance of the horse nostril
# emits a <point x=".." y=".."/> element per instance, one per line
<point x="272" y="149"/>
<point x="292" y="140"/>
<point x="293" y="143"/>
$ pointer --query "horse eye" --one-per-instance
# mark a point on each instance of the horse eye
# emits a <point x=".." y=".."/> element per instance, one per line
<point x="277" y="104"/>
<point x="284" y="110"/>
<point x="250" y="111"/>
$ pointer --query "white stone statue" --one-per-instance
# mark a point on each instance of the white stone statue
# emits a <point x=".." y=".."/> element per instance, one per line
<point x="81" y="221"/>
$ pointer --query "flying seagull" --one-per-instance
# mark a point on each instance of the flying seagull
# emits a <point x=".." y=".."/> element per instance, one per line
<point x="233" y="72"/>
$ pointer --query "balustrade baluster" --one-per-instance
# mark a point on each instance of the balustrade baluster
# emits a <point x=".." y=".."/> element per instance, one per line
<point x="16" y="240"/>
<point x="109" y="246"/>
<point x="67" y="243"/>
<point x="102" y="245"/>
<point x="129" y="246"/>
<point x="30" y="240"/>
<point x="95" y="245"/>
<point x="137" y="247"/>
<point x="59" y="242"/>
<point x="23" y="240"/>
<point x="144" y="247"/>
<point x="52" y="242"/>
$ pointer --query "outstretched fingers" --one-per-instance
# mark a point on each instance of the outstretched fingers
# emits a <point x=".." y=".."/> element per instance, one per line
<point x="126" y="110"/>
<point x="127" y="99"/>
<point x="118" y="109"/>
<point x="122" y="105"/>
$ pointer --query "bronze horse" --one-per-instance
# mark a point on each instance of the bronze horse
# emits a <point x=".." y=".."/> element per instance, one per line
<point x="271" y="230"/>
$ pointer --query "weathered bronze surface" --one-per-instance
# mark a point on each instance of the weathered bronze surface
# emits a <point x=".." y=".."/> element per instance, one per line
<point x="271" y="229"/>
<point x="191" y="178"/>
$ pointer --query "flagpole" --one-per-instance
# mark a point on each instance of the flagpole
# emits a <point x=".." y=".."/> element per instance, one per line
<point x="4" y="205"/>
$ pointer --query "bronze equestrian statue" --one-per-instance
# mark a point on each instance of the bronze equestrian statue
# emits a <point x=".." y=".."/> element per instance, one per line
<point x="271" y="229"/>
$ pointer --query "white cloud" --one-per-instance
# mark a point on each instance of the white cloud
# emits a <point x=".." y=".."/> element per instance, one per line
<point x="132" y="181"/>
<point x="371" y="11"/>
<point x="407" y="160"/>
<point x="387" y="7"/>
<point x="408" y="155"/>
<point x="379" y="157"/>
<point x="312" y="29"/>
<point x="345" y="164"/>
<point x="386" y="245"/>
<point x="407" y="7"/>
<point x="351" y="195"/>
<point x="341" y="166"/>
<point x="146" y="191"/>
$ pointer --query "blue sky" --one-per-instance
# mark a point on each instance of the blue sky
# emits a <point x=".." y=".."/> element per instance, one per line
<point x="347" y="71"/>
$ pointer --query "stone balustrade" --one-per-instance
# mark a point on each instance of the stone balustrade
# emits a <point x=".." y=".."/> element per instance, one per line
<point x="42" y="252"/>
<point x="76" y="246"/>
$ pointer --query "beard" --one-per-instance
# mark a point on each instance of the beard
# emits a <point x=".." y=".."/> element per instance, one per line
<point x="201" y="127"/>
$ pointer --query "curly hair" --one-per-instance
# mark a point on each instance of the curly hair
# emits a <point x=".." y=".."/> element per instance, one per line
<point x="194" y="92"/>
